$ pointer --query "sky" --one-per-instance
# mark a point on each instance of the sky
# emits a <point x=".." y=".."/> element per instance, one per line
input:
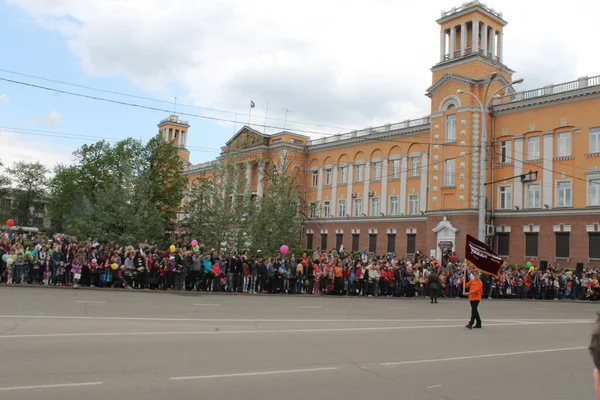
<point x="334" y="68"/>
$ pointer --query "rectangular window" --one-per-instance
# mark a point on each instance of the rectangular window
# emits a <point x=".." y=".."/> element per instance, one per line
<point x="533" y="195"/>
<point x="411" y="243"/>
<point x="449" y="173"/>
<point x="376" y="171"/>
<point x="391" y="245"/>
<point x="358" y="207"/>
<point x="375" y="206"/>
<point x="373" y="243"/>
<point x="413" y="204"/>
<point x="314" y="178"/>
<point x="595" y="192"/>
<point x="309" y="241"/>
<point x="328" y="177"/>
<point x="342" y="207"/>
<point x="562" y="244"/>
<point x="504" y="244"/>
<point x="5" y="202"/>
<point x="505" y="151"/>
<point x="414" y="166"/>
<point x="594" y="246"/>
<point x="344" y="175"/>
<point x="564" y="194"/>
<point x="339" y="240"/>
<point x="394" y="205"/>
<point x="323" y="241"/>
<point x="395" y="169"/>
<point x="355" y="241"/>
<point x="505" y="197"/>
<point x="531" y="245"/>
<point x="595" y="140"/>
<point x="326" y="209"/>
<point x="359" y="173"/>
<point x="533" y="148"/>
<point x="38" y="221"/>
<point x="564" y="144"/>
<point x="451" y="128"/>
<point x="312" y="210"/>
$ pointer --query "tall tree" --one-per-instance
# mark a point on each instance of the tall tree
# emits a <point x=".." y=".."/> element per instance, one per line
<point x="65" y="193"/>
<point x="30" y="184"/>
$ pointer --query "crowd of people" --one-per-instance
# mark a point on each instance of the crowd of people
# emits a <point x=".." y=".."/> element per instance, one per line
<point x="62" y="260"/>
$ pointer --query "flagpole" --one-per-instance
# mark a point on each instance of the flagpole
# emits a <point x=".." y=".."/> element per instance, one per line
<point x="250" y="116"/>
<point x="465" y="280"/>
<point x="235" y="123"/>
<point x="266" y="112"/>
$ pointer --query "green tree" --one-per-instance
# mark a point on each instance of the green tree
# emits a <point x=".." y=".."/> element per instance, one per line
<point x="65" y="193"/>
<point x="30" y="185"/>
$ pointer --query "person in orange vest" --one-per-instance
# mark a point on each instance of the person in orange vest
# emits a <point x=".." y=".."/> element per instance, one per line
<point x="475" y="288"/>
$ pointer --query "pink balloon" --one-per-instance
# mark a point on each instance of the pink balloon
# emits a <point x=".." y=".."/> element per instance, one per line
<point x="284" y="249"/>
<point x="194" y="243"/>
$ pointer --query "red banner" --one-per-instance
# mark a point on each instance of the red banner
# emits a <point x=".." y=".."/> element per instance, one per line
<point x="480" y="256"/>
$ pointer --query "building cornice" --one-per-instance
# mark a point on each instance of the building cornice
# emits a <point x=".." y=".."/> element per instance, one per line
<point x="544" y="101"/>
<point x="470" y="58"/>
<point x="352" y="220"/>
<point x="464" y="79"/>
<point x="411" y="131"/>
<point x="469" y="8"/>
<point x="546" y="212"/>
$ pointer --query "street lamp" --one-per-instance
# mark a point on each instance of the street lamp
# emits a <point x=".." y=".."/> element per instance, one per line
<point x="481" y="231"/>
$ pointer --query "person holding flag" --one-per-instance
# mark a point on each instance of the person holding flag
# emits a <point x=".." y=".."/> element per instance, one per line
<point x="481" y="258"/>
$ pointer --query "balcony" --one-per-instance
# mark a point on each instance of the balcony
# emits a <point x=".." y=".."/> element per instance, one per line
<point x="371" y="131"/>
<point x="581" y="83"/>
<point x="469" y="51"/>
<point x="173" y="119"/>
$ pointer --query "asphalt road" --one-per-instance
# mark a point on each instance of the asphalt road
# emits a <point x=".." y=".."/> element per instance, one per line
<point x="74" y="344"/>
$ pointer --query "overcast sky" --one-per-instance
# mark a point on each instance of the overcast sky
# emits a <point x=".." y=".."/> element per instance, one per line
<point x="349" y="64"/>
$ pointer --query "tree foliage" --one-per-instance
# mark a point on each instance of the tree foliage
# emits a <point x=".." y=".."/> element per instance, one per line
<point x="29" y="181"/>
<point x="125" y="191"/>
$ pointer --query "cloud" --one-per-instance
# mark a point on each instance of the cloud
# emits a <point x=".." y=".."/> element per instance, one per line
<point x="52" y="119"/>
<point x="30" y="148"/>
<point x="362" y="64"/>
<point x="4" y="98"/>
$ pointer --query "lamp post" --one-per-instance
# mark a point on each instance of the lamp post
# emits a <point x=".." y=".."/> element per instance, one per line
<point x="481" y="232"/>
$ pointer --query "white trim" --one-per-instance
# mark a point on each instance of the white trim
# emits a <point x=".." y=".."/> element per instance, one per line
<point x="503" y="229"/>
<point x="591" y="228"/>
<point x="373" y="231"/>
<point x="410" y="231"/>
<point x="324" y="231"/>
<point x="566" y="228"/>
<point x="445" y="224"/>
<point x="339" y="231"/>
<point x="531" y="228"/>
<point x="355" y="231"/>
<point x="391" y="231"/>
<point x="310" y="232"/>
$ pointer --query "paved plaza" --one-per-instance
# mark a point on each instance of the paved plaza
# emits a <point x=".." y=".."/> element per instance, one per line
<point x="93" y="344"/>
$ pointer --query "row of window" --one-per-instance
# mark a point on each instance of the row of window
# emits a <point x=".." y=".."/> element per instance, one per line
<point x="376" y="172"/>
<point x="563" y="147"/>
<point x="374" y="209"/>
<point x="411" y="242"/>
<point x="563" y="194"/>
<point x="562" y="245"/>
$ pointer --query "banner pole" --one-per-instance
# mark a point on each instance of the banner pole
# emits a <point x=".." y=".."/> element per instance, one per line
<point x="465" y="281"/>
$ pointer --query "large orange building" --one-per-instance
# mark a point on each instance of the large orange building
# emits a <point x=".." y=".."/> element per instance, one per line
<point x="414" y="185"/>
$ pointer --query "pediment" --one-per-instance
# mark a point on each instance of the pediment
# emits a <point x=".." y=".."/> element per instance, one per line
<point x="245" y="138"/>
<point x="445" y="224"/>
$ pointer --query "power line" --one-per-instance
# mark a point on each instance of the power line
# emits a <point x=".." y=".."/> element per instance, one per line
<point x="159" y="100"/>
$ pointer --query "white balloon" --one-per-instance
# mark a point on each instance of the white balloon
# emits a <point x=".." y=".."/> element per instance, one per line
<point x="10" y="261"/>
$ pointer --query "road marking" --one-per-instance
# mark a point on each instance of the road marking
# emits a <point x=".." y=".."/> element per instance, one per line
<point x="278" y="320"/>
<point x="289" y="371"/>
<point x="90" y="301"/>
<point x="483" y="356"/>
<point x="397" y="308"/>
<point x="434" y="386"/>
<point x="267" y="331"/>
<point x="208" y="305"/>
<point x="310" y="307"/>
<point x="62" y="385"/>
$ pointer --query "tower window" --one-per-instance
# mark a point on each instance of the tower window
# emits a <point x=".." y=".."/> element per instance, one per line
<point x="450" y="128"/>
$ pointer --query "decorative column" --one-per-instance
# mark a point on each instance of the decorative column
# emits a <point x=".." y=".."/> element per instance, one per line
<point x="367" y="179"/>
<point x="484" y="39"/>
<point x="463" y="38"/>
<point x="475" y="38"/>
<point x="492" y="42"/>
<point x="249" y="178"/>
<point x="260" y="185"/>
<point x="500" y="46"/>
<point x="547" y="175"/>
<point x="384" y="186"/>
<point x="350" y="177"/>
<point x="424" y="182"/>
<point x="452" y="41"/>
<point x="442" y="45"/>
<point x="403" y="173"/>
<point x="518" y="170"/>
<point x="320" y="186"/>
<point x="334" y="191"/>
